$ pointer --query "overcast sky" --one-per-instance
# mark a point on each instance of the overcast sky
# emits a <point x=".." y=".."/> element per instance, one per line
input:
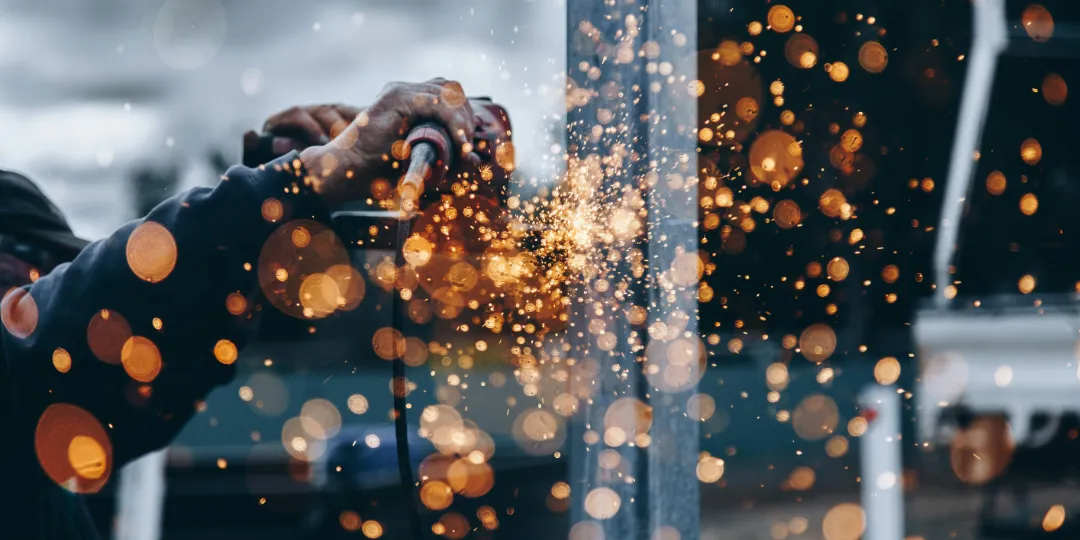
<point x="89" y="88"/>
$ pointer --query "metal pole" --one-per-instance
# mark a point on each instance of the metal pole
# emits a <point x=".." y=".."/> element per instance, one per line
<point x="592" y="28"/>
<point x="140" y="498"/>
<point x="639" y="119"/>
<point x="990" y="40"/>
<point x="880" y="462"/>
<point x="674" y="489"/>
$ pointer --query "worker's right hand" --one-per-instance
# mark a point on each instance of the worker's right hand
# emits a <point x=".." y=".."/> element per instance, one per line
<point x="343" y="169"/>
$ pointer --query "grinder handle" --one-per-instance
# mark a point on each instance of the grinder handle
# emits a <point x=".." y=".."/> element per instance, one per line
<point x="429" y="143"/>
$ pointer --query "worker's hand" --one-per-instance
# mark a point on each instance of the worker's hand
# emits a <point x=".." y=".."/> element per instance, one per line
<point x="344" y="169"/>
<point x="300" y="127"/>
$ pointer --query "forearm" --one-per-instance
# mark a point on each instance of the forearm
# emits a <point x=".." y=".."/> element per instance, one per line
<point x="168" y="277"/>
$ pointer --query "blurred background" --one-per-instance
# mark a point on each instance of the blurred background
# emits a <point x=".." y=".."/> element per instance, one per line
<point x="813" y="287"/>
<point x="173" y="85"/>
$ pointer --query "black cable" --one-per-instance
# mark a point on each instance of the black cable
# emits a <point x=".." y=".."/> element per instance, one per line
<point x="257" y="148"/>
<point x="401" y="424"/>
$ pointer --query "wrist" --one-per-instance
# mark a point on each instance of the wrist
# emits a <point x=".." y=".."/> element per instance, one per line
<point x="326" y="173"/>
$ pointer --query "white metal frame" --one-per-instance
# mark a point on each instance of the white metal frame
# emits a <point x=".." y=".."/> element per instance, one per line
<point x="991" y="37"/>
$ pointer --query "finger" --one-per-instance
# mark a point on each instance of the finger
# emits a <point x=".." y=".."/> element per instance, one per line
<point x="428" y="103"/>
<point x="470" y="118"/>
<point x="331" y="121"/>
<point x="348" y="112"/>
<point x="450" y="92"/>
<point x="453" y="95"/>
<point x="437" y="81"/>
<point x="299" y="121"/>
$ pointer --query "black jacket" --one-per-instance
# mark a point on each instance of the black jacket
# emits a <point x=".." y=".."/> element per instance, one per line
<point x="218" y="234"/>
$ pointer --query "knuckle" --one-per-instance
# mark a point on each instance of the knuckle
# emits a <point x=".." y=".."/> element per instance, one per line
<point x="393" y="92"/>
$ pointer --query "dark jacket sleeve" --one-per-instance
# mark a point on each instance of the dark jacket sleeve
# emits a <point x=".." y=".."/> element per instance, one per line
<point x="218" y="234"/>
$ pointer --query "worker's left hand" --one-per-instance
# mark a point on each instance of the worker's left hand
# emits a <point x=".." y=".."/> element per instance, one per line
<point x="299" y="127"/>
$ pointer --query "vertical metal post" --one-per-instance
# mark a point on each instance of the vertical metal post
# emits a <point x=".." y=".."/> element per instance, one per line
<point x="674" y="497"/>
<point x="880" y="463"/>
<point x="631" y="104"/>
<point x="608" y="87"/>
<point x="140" y="498"/>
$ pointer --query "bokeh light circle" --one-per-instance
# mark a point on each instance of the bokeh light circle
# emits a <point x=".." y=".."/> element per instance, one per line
<point x="300" y="274"/>
<point x="320" y="418"/>
<point x="775" y="158"/>
<point x="815" y="417"/>
<point x="873" y="57"/>
<point x="781" y="19"/>
<point x="106" y="334"/>
<point x="817" y="342"/>
<point x="602" y="503"/>
<point x="19" y="313"/>
<point x="845" y="521"/>
<point x="141" y="359"/>
<point x="1037" y="22"/>
<point x="151" y="252"/>
<point x="982" y="451"/>
<point x="73" y="448"/>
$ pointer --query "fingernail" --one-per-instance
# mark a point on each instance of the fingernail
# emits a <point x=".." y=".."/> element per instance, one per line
<point x="323" y="139"/>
